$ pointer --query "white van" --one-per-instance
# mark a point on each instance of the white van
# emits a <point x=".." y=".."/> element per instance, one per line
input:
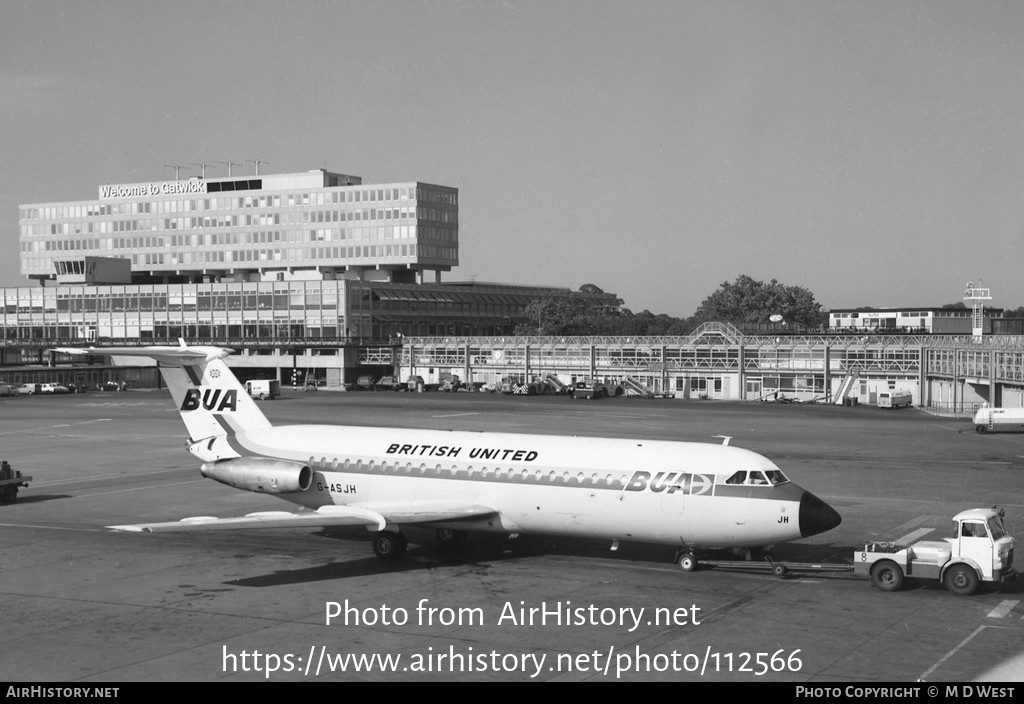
<point x="263" y="388"/>
<point x="895" y="399"/>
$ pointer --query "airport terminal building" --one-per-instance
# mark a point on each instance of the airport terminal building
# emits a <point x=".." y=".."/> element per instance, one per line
<point x="316" y="276"/>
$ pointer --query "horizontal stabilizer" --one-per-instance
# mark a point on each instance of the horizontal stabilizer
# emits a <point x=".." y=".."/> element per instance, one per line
<point x="165" y="354"/>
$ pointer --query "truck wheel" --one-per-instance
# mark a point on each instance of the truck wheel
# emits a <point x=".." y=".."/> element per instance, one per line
<point x="961" y="579"/>
<point x="8" y="494"/>
<point x="688" y="562"/>
<point x="887" y="576"/>
<point x="981" y="428"/>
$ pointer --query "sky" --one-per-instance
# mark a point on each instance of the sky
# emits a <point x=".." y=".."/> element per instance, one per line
<point x="871" y="152"/>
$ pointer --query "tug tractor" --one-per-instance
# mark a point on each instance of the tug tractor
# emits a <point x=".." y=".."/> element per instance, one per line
<point x="10" y="480"/>
<point x="979" y="551"/>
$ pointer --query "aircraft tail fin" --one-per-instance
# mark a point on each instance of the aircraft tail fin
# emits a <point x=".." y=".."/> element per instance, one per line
<point x="212" y="402"/>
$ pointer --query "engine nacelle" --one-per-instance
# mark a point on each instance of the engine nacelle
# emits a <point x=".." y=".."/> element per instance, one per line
<point x="260" y="474"/>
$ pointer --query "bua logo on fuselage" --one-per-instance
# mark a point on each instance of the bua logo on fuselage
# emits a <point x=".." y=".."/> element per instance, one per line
<point x="211" y="400"/>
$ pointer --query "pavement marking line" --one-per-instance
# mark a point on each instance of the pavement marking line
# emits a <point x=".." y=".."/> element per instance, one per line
<point x="48" y="427"/>
<point x="1004" y="608"/>
<point x="914" y="535"/>
<point x="913" y="523"/>
<point x="951" y="653"/>
<point x="137" y="488"/>
<point x="455" y="415"/>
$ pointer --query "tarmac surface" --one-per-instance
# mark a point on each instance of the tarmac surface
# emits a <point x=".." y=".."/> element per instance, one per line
<point x="88" y="605"/>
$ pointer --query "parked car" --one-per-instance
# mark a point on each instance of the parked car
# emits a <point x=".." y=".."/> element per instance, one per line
<point x="363" y="383"/>
<point x="28" y="389"/>
<point x="53" y="389"/>
<point x="112" y="386"/>
<point x="8" y="390"/>
<point x="388" y="383"/>
<point x="77" y="388"/>
<point x="415" y="383"/>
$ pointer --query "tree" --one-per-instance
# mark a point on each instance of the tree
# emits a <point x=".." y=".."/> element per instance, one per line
<point x="589" y="311"/>
<point x="749" y="301"/>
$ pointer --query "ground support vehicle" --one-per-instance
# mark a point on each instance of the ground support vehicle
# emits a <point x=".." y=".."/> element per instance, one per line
<point x="980" y="551"/>
<point x="263" y="388"/>
<point x="450" y="382"/>
<point x="588" y="388"/>
<point x="895" y="399"/>
<point x="990" y="419"/>
<point x="10" y="480"/>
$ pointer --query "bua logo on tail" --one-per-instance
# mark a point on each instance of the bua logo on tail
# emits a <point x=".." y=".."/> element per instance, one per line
<point x="211" y="399"/>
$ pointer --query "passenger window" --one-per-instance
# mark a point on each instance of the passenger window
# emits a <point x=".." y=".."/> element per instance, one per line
<point x="737" y="478"/>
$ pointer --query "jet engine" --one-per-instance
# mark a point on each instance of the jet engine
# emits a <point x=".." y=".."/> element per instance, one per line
<point x="263" y="475"/>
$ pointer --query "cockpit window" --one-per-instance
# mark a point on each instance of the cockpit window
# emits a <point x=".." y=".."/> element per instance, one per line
<point x="737" y="478"/>
<point x="776" y="477"/>
<point x="757" y="478"/>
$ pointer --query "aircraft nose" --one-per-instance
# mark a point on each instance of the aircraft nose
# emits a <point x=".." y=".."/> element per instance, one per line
<point x="816" y="516"/>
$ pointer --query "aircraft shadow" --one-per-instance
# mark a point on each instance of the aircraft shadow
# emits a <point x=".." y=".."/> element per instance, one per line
<point x="38" y="498"/>
<point x="481" y="549"/>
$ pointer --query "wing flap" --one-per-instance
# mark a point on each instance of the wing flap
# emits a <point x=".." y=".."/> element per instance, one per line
<point x="324" y="516"/>
<point x="374" y="516"/>
<point x="411" y="513"/>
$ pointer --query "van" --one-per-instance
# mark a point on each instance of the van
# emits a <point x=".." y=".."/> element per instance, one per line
<point x="28" y="389"/>
<point x="263" y="388"/>
<point x="895" y="399"/>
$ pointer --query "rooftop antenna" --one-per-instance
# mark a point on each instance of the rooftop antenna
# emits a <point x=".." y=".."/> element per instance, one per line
<point x="257" y="162"/>
<point x="229" y="165"/>
<point x="203" y="166"/>
<point x="177" y="170"/>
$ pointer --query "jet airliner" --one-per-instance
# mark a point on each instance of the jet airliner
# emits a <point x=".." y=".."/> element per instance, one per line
<point x="692" y="496"/>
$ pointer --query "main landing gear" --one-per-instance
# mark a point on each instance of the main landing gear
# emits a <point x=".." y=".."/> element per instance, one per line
<point x="391" y="545"/>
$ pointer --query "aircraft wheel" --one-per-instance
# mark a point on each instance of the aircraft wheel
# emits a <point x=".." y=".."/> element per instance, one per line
<point x="389" y="545"/>
<point x="981" y="428"/>
<point x="8" y="494"/>
<point x="887" y="576"/>
<point x="961" y="580"/>
<point x="450" y="538"/>
<point x="688" y="562"/>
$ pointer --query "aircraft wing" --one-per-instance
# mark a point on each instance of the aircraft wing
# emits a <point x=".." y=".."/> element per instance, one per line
<point x="375" y="518"/>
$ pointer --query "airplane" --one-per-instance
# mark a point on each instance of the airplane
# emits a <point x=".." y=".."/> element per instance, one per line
<point x="696" y="497"/>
